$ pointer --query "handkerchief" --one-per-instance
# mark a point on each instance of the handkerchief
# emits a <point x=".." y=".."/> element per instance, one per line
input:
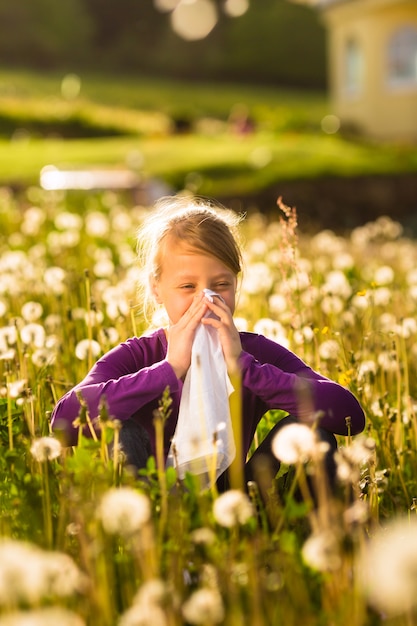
<point x="203" y="441"/>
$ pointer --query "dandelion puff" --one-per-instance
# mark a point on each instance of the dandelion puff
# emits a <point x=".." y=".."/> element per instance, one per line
<point x="63" y="577"/>
<point x="204" y="606"/>
<point x="321" y="552"/>
<point x="33" y="334"/>
<point x="124" y="511"/>
<point x="295" y="443"/>
<point x="388" y="567"/>
<point x="143" y="615"/>
<point x="43" y="357"/>
<point x="31" y="311"/>
<point x="231" y="508"/>
<point x="46" y="449"/>
<point x="329" y="350"/>
<point x="84" y="346"/>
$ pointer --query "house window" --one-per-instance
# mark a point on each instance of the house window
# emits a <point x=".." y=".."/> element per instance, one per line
<point x="353" y="68"/>
<point x="402" y="57"/>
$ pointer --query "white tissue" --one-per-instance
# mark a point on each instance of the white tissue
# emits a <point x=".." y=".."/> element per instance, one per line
<point x="203" y="442"/>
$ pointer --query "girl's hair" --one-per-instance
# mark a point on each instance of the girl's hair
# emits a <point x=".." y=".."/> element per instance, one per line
<point x="203" y="225"/>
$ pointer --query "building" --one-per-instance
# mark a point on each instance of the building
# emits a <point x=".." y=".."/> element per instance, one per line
<point x="372" y="56"/>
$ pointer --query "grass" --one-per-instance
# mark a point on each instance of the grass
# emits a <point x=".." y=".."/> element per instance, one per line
<point x="84" y="542"/>
<point x="114" y="123"/>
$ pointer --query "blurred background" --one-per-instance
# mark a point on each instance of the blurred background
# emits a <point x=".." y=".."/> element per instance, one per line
<point x="243" y="100"/>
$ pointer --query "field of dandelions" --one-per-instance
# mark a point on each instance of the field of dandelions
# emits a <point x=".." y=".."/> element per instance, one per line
<point x="85" y="542"/>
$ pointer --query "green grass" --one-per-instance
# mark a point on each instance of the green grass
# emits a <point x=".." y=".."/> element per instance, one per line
<point x="115" y="121"/>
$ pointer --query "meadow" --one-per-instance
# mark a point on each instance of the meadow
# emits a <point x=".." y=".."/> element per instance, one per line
<point x="86" y="542"/>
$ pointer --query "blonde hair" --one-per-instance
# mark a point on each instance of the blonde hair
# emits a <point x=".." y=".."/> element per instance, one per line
<point x="204" y="225"/>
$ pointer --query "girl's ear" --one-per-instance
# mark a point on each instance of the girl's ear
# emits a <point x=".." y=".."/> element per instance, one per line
<point x="155" y="290"/>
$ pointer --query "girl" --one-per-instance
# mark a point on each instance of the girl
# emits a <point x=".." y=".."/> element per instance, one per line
<point x="188" y="246"/>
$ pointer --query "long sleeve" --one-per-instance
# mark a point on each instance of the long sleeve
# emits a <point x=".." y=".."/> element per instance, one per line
<point x="280" y="380"/>
<point x="131" y="377"/>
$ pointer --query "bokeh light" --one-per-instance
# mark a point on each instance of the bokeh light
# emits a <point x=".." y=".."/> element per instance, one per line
<point x="330" y="124"/>
<point x="236" y="8"/>
<point x="194" y="19"/>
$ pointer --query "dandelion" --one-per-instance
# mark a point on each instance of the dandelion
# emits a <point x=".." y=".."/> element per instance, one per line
<point x="28" y="574"/>
<point x="85" y="346"/>
<point x="329" y="350"/>
<point x="31" y="311"/>
<point x="46" y="449"/>
<point x="384" y="275"/>
<point x="321" y="552"/>
<point x="144" y="615"/>
<point x="231" y="508"/>
<point x="124" y="511"/>
<point x="388" y="567"/>
<point x="295" y="443"/>
<point x="203" y="536"/>
<point x="272" y="329"/>
<point x="204" y="606"/>
<point x="43" y="357"/>
<point x="16" y="388"/>
<point x="33" y="334"/>
<point x="54" y="278"/>
<point x="97" y="224"/>
<point x="332" y="305"/>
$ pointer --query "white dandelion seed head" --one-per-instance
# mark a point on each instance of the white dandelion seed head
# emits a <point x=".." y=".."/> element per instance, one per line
<point x="46" y="449"/>
<point x="144" y="615"/>
<point x="332" y="305"/>
<point x="97" y="224"/>
<point x="295" y="443"/>
<point x="388" y="567"/>
<point x="337" y="284"/>
<point x="124" y="511"/>
<point x="329" y="350"/>
<point x="232" y="508"/>
<point x="204" y="606"/>
<point x="384" y="275"/>
<point x="272" y="329"/>
<point x="203" y="536"/>
<point x="321" y="552"/>
<point x="382" y="296"/>
<point x="33" y="334"/>
<point x="84" y="346"/>
<point x="31" y="311"/>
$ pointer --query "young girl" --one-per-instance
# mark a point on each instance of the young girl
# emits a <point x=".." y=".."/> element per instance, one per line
<point x="188" y="246"/>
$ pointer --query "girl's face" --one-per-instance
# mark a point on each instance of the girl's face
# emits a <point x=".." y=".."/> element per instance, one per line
<point x="185" y="272"/>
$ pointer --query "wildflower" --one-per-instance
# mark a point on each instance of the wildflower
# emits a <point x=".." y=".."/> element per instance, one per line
<point x="203" y="536"/>
<point x="321" y="552"/>
<point x="329" y="350"/>
<point x="272" y="329"/>
<point x="65" y="220"/>
<point x="84" y="346"/>
<point x="43" y="357"/>
<point x="97" y="224"/>
<point x="388" y="565"/>
<point x="54" y="278"/>
<point x="124" y="511"/>
<point x="337" y="285"/>
<point x="231" y="508"/>
<point x="204" y="606"/>
<point x="384" y="275"/>
<point x="33" y="334"/>
<point x="46" y="449"/>
<point x="143" y="615"/>
<point x="295" y="443"/>
<point x="258" y="279"/>
<point x="28" y="574"/>
<point x="48" y="616"/>
<point x="16" y="388"/>
<point x="31" y="311"/>
<point x="332" y="305"/>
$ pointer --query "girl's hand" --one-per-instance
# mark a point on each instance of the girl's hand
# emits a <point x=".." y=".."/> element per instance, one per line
<point x="181" y="336"/>
<point x="228" y="334"/>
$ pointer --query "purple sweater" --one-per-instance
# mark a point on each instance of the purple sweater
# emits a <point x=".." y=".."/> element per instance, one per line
<point x="133" y="376"/>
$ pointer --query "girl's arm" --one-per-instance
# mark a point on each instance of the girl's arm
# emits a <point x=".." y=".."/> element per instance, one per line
<point x="283" y="381"/>
<point x="125" y="386"/>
